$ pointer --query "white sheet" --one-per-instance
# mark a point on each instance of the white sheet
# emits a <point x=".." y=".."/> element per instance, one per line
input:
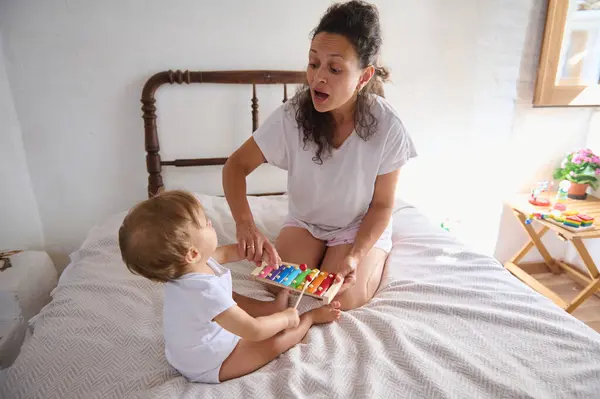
<point x="446" y="322"/>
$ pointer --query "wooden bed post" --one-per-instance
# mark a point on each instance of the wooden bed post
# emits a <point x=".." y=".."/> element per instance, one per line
<point x="254" y="109"/>
<point x="154" y="163"/>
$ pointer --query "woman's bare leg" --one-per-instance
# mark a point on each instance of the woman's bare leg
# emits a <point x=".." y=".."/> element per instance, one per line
<point x="249" y="356"/>
<point x="368" y="274"/>
<point x="297" y="245"/>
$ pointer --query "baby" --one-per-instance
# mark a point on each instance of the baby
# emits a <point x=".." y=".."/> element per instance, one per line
<point x="211" y="333"/>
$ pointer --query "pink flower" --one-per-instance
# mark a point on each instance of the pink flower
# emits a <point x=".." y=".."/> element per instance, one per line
<point x="572" y="173"/>
<point x="597" y="171"/>
<point x="577" y="161"/>
<point x="587" y="159"/>
<point x="596" y="159"/>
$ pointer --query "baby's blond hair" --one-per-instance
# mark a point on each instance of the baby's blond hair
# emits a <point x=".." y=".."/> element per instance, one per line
<point x="154" y="237"/>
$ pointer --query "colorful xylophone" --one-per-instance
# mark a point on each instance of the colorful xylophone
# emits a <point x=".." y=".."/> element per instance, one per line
<point x="294" y="277"/>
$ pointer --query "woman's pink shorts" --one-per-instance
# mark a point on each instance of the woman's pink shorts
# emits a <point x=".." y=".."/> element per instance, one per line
<point x="345" y="235"/>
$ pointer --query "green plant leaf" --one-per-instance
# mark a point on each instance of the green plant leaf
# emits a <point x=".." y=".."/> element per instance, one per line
<point x="559" y="174"/>
<point x="583" y="173"/>
<point x="589" y="171"/>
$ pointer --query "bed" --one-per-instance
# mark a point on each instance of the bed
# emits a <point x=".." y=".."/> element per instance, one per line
<point x="446" y="322"/>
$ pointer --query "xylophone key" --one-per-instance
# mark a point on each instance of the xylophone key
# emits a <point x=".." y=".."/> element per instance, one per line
<point x="298" y="280"/>
<point x="309" y="278"/>
<point x="325" y="284"/>
<point x="266" y="270"/>
<point x="271" y="276"/>
<point x="290" y="278"/>
<point x="284" y="274"/>
<point x="316" y="282"/>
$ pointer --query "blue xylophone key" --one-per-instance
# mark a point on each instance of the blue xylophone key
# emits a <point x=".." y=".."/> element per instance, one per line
<point x="294" y="273"/>
<point x="284" y="274"/>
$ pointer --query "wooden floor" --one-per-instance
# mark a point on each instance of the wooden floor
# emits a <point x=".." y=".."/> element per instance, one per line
<point x="588" y="311"/>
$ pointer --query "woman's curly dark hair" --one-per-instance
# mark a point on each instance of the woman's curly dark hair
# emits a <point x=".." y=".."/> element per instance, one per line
<point x="358" y="22"/>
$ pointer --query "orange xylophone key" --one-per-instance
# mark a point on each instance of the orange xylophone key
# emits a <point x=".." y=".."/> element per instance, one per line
<point x="312" y="288"/>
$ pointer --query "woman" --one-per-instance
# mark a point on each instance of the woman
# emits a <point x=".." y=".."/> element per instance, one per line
<point x="343" y="147"/>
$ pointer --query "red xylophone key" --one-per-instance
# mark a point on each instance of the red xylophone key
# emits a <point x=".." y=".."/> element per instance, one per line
<point x="325" y="284"/>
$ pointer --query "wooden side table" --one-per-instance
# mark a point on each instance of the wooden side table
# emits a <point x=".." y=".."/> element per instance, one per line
<point x="590" y="281"/>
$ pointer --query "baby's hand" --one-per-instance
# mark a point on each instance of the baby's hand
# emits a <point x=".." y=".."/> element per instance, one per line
<point x="292" y="317"/>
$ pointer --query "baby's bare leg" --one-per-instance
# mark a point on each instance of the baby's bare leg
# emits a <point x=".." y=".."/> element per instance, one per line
<point x="256" y="308"/>
<point x="250" y="356"/>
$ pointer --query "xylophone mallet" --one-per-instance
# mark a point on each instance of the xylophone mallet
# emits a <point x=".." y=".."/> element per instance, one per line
<point x="308" y="280"/>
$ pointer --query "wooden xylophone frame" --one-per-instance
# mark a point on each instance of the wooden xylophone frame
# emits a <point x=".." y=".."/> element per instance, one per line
<point x="326" y="298"/>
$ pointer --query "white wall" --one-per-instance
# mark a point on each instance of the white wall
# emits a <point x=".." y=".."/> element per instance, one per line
<point x="20" y="226"/>
<point x="462" y="78"/>
<point x="540" y="139"/>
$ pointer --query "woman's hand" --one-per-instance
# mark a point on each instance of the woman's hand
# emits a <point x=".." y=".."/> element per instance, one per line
<point x="347" y="271"/>
<point x="254" y="246"/>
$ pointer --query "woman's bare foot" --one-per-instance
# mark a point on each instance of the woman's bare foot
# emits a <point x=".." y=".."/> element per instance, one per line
<point x="326" y="314"/>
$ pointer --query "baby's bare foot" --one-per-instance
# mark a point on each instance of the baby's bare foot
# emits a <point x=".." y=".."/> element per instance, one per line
<point x="327" y="313"/>
<point x="281" y="301"/>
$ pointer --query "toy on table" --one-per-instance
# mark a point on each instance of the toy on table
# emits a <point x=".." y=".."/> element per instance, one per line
<point x="579" y="220"/>
<point x="536" y="199"/>
<point x="562" y="195"/>
<point x="586" y="220"/>
<point x="301" y="279"/>
<point x="572" y="220"/>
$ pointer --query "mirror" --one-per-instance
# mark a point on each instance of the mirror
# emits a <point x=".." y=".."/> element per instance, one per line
<point x="569" y="70"/>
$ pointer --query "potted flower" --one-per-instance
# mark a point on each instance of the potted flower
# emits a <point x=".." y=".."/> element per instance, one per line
<point x="582" y="169"/>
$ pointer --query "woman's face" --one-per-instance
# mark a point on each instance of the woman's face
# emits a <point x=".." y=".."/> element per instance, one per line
<point x="334" y="73"/>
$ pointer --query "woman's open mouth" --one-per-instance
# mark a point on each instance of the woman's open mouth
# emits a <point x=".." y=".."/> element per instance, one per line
<point x="320" y="96"/>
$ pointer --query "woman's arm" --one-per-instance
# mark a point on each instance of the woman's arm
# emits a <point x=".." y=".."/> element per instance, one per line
<point x="240" y="323"/>
<point x="377" y="217"/>
<point x="240" y="164"/>
<point x="371" y="227"/>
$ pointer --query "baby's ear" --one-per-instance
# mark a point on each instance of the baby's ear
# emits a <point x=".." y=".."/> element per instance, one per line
<point x="192" y="255"/>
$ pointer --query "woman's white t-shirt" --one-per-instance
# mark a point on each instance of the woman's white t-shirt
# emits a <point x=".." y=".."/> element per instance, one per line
<point x="337" y="192"/>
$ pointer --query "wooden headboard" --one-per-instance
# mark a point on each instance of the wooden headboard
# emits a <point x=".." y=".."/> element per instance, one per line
<point x="153" y="162"/>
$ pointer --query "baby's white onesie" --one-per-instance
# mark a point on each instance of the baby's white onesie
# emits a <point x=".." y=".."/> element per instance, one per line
<point x="194" y="344"/>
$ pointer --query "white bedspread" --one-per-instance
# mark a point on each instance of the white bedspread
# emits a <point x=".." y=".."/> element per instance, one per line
<point x="446" y="323"/>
